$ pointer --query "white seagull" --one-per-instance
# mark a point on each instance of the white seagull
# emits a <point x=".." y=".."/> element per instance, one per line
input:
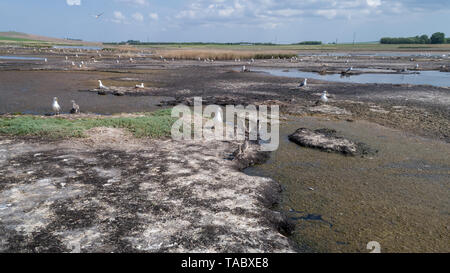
<point x="304" y="83"/>
<point x="98" y="15"/>
<point x="324" y="97"/>
<point x="140" y="85"/>
<point x="101" y="86"/>
<point x="55" y="106"/>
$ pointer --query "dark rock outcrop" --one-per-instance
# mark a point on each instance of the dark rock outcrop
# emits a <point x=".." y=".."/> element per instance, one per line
<point x="327" y="140"/>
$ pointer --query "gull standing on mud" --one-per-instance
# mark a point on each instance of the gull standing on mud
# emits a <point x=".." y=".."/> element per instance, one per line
<point x="324" y="97"/>
<point x="55" y="106"/>
<point x="101" y="86"/>
<point x="140" y="85"/>
<point x="304" y="83"/>
<point x="75" y="108"/>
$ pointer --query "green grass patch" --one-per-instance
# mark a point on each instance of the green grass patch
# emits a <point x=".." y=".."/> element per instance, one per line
<point x="4" y="38"/>
<point x="153" y="125"/>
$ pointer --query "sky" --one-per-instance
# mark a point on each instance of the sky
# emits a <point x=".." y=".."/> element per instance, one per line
<point x="276" y="21"/>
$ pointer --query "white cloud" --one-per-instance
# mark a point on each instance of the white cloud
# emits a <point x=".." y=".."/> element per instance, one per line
<point x="138" y="17"/>
<point x="327" y="13"/>
<point x="118" y="17"/>
<point x="73" y="2"/>
<point x="154" y="16"/>
<point x="374" y="3"/>
<point x="135" y="2"/>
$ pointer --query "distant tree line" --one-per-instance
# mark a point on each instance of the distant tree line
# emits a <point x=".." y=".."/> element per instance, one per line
<point x="310" y="43"/>
<point x="436" y="38"/>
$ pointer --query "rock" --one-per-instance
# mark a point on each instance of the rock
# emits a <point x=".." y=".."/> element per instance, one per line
<point x="327" y="140"/>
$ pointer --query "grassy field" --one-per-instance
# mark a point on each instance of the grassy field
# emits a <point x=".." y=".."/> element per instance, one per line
<point x="155" y="125"/>
<point x="13" y="39"/>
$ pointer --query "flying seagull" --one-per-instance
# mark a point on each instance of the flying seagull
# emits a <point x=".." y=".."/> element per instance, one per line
<point x="98" y="15"/>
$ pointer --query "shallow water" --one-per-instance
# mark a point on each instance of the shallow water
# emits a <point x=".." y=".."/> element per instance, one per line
<point x="33" y="92"/>
<point x="434" y="78"/>
<point x="399" y="198"/>
<point x="21" y="58"/>
<point x="377" y="54"/>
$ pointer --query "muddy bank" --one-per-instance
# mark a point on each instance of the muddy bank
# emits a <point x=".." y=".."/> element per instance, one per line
<point x="398" y="197"/>
<point x="418" y="109"/>
<point x="113" y="193"/>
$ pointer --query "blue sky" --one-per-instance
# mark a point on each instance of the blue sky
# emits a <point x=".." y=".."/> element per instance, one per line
<point x="283" y="21"/>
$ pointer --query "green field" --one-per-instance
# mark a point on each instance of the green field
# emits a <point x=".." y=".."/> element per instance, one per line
<point x="154" y="125"/>
<point x="13" y="39"/>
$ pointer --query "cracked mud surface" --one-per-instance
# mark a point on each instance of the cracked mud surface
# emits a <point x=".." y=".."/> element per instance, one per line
<point x="140" y="196"/>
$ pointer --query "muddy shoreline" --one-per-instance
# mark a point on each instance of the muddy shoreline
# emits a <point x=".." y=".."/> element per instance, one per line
<point x="113" y="193"/>
<point x="250" y="226"/>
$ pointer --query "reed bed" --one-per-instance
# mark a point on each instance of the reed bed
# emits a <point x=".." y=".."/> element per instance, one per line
<point x="215" y="54"/>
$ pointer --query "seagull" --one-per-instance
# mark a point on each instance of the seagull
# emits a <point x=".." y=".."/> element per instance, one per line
<point x="349" y="69"/>
<point x="101" y="86"/>
<point x="55" y="106"/>
<point x="140" y="86"/>
<point x="417" y="66"/>
<point x="45" y="60"/>
<point x="324" y="97"/>
<point x="244" y="69"/>
<point x="304" y="83"/>
<point x="73" y="63"/>
<point x="98" y="15"/>
<point x="75" y="108"/>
